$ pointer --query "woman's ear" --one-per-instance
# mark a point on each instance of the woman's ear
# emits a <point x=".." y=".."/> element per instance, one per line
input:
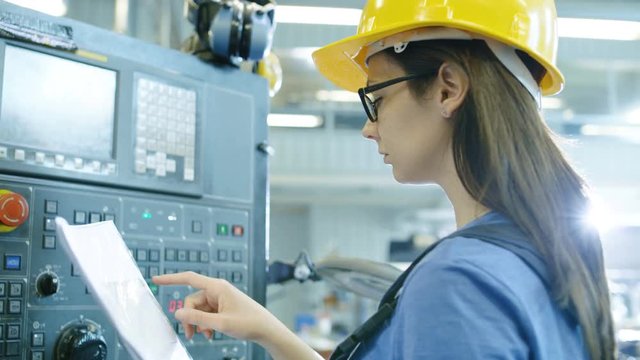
<point x="452" y="87"/>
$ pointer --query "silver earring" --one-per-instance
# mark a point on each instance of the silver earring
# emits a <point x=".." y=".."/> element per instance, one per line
<point x="445" y="113"/>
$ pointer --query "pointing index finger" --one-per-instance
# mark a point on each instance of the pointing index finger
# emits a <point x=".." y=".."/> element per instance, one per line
<point x="184" y="278"/>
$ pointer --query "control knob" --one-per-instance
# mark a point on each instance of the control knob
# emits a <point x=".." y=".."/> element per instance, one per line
<point x="82" y="340"/>
<point x="47" y="283"/>
<point x="14" y="210"/>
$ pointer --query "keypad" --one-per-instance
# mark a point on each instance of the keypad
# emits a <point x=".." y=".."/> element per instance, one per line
<point x="165" y="129"/>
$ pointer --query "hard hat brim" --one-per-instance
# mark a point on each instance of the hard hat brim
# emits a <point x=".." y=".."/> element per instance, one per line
<point x="343" y="63"/>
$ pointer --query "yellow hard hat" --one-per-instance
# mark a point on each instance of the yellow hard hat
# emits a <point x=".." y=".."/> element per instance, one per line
<point x="526" y="25"/>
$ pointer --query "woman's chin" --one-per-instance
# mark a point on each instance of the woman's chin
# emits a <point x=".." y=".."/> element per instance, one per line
<point x="404" y="178"/>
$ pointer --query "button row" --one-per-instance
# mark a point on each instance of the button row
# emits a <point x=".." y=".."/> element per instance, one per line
<point x="223" y="255"/>
<point x="223" y="230"/>
<point x="149" y="272"/>
<point x="234" y="277"/>
<point x="11" y="348"/>
<point x="186" y="255"/>
<point x="146" y="255"/>
<point x="15" y="289"/>
<point x="90" y="217"/>
<point x="13" y="332"/>
<point x="37" y="340"/>
<point x="157" y="162"/>
<point x="58" y="160"/>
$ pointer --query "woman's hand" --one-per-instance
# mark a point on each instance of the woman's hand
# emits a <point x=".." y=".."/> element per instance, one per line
<point x="220" y="306"/>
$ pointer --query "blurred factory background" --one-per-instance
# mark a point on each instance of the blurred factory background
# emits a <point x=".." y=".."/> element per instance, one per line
<point x="330" y="191"/>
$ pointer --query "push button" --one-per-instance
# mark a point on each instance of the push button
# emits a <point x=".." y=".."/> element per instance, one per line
<point x="12" y="262"/>
<point x="37" y="355"/>
<point x="15" y="306"/>
<point x="236" y="277"/>
<point x="154" y="255"/>
<point x="51" y="207"/>
<point x="143" y="271"/>
<point x="49" y="224"/>
<point x="222" y="229"/>
<point x="79" y="217"/>
<point x="95" y="217"/>
<point x="141" y="255"/>
<point x="193" y="256"/>
<point x="204" y="256"/>
<point x="12" y="348"/>
<point x="223" y="255"/>
<point x="14" y="210"/>
<point x="48" y="241"/>
<point x="110" y="217"/>
<point x="170" y="254"/>
<point x="154" y="271"/>
<point x="13" y="332"/>
<point x="2" y="288"/>
<point x="236" y="255"/>
<point x="15" y="289"/>
<point x="222" y="275"/>
<point x="1" y="332"/>
<point x="37" y="339"/>
<point x="196" y="227"/>
<point x="1" y="312"/>
<point x="182" y="255"/>
<point x="237" y="230"/>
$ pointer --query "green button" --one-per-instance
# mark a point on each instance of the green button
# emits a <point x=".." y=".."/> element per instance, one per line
<point x="223" y="229"/>
<point x="153" y="287"/>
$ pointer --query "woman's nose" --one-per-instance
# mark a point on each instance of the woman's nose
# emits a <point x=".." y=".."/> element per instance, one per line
<point x="370" y="130"/>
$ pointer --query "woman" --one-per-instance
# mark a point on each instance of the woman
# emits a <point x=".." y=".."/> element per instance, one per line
<point x="452" y="92"/>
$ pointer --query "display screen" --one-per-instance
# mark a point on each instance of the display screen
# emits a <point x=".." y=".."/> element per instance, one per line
<point x="175" y="305"/>
<point x="57" y="105"/>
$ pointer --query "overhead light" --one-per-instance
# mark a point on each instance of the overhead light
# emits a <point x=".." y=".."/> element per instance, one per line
<point x="628" y="131"/>
<point x="552" y="103"/>
<point x="634" y="116"/>
<point x="337" y="96"/>
<point x="51" y="7"/>
<point x="567" y="27"/>
<point x="599" y="29"/>
<point x="294" y="120"/>
<point x="317" y="15"/>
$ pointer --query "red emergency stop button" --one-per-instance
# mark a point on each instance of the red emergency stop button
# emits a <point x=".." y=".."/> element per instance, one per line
<point x="14" y="210"/>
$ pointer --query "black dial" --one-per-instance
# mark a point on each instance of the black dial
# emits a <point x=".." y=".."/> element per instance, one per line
<point x="81" y="341"/>
<point x="47" y="283"/>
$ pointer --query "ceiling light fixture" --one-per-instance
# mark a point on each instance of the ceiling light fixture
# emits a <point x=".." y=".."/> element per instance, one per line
<point x="567" y="27"/>
<point x="629" y="131"/>
<point x="599" y="29"/>
<point x="317" y="15"/>
<point x="337" y="96"/>
<point x="294" y="120"/>
<point x="552" y="103"/>
<point x="51" y="7"/>
<point x="634" y="116"/>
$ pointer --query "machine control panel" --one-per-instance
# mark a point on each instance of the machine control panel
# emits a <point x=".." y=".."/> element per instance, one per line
<point x="154" y="140"/>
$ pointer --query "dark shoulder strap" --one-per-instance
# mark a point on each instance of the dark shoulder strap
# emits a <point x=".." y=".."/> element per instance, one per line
<point x="505" y="235"/>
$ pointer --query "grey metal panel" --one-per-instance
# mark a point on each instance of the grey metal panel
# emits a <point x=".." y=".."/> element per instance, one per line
<point x="168" y="226"/>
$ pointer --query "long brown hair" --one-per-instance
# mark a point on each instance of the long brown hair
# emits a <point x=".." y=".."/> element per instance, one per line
<point x="508" y="161"/>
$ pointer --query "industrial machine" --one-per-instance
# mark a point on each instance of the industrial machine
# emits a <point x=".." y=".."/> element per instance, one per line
<point x="95" y="126"/>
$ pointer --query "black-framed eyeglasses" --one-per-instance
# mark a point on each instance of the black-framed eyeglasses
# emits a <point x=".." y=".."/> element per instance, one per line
<point x="370" y="105"/>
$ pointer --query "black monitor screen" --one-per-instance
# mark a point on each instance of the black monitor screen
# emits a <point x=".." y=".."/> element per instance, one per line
<point x="57" y="105"/>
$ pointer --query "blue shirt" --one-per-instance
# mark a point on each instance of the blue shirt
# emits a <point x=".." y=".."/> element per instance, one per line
<point x="469" y="299"/>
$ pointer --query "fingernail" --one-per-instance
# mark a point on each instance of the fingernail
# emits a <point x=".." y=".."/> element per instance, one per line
<point x="179" y="314"/>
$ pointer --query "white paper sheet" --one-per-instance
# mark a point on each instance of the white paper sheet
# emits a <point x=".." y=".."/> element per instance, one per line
<point x="115" y="281"/>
